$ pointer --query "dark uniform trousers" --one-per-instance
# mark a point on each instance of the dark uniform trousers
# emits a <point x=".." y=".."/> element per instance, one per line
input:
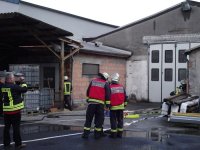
<point x="67" y="102"/>
<point x="97" y="111"/>
<point x="1" y="107"/>
<point x="14" y="121"/>
<point x="116" y="120"/>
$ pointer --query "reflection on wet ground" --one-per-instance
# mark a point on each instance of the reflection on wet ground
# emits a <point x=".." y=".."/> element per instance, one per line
<point x="185" y="137"/>
<point x="153" y="134"/>
<point x="42" y="128"/>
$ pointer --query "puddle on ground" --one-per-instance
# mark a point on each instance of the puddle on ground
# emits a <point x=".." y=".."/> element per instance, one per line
<point x="154" y="134"/>
<point x="41" y="128"/>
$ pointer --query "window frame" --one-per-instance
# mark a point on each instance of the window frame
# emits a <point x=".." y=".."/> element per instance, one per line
<point x="152" y="54"/>
<point x="89" y="74"/>
<point x="153" y="77"/>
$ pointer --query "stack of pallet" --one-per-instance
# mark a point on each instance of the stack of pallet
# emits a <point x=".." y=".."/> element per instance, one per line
<point x="180" y="103"/>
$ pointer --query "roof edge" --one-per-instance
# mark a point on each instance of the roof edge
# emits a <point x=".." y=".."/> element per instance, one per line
<point x="65" y="13"/>
<point x="143" y="20"/>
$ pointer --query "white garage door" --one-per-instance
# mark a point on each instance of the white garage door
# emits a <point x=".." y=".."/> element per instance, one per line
<point x="167" y="66"/>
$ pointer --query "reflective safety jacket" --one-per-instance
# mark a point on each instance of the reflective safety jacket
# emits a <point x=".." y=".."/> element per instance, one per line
<point x="11" y="96"/>
<point x="98" y="91"/>
<point x="67" y="87"/>
<point x="118" y="97"/>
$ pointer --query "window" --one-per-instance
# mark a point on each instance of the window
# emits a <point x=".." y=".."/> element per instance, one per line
<point x="182" y="58"/>
<point x="155" y="56"/>
<point x="90" y="69"/>
<point x="154" y="74"/>
<point x="168" y="74"/>
<point x="49" y="77"/>
<point x="168" y="56"/>
<point x="182" y="72"/>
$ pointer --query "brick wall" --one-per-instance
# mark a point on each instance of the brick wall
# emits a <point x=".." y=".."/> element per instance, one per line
<point x="106" y="64"/>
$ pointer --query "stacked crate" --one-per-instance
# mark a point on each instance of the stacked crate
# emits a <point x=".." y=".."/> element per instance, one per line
<point x="31" y="73"/>
<point x="46" y="98"/>
<point x="31" y="97"/>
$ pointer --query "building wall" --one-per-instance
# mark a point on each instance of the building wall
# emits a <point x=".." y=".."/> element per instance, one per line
<point x="130" y="38"/>
<point x="137" y="81"/>
<point x="194" y="73"/>
<point x="106" y="64"/>
<point x="81" y="28"/>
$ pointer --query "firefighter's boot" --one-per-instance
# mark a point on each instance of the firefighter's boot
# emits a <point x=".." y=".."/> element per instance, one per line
<point x="113" y="134"/>
<point x="97" y="134"/>
<point x="85" y="134"/>
<point x="119" y="134"/>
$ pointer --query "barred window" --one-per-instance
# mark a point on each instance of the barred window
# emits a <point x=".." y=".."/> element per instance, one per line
<point x="155" y="56"/>
<point x="90" y="69"/>
<point x="154" y="74"/>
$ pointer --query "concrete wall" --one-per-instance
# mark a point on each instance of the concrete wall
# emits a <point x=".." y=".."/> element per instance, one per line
<point x="194" y="73"/>
<point x="137" y="81"/>
<point x="130" y="37"/>
<point x="107" y="64"/>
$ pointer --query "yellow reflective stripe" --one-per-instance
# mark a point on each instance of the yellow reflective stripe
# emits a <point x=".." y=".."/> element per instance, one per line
<point x="98" y="129"/>
<point x="96" y="100"/>
<point x="119" y="107"/>
<point x="119" y="129"/>
<point x="7" y="90"/>
<point x="23" y="85"/>
<point x="67" y="92"/>
<point x="107" y="102"/>
<point x="14" y="107"/>
<point x="112" y="130"/>
<point x="85" y="128"/>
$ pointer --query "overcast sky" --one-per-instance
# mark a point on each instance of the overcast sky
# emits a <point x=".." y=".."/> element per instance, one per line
<point x="116" y="12"/>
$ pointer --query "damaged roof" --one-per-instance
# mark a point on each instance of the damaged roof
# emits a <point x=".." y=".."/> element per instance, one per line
<point x="98" y="48"/>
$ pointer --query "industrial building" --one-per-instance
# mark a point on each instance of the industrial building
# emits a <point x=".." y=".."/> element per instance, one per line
<point x="46" y="44"/>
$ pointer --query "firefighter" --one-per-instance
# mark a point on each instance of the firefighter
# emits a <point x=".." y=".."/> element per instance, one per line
<point x="98" y="94"/>
<point x="12" y="105"/>
<point x="117" y="103"/>
<point x="67" y="93"/>
<point x="2" y="80"/>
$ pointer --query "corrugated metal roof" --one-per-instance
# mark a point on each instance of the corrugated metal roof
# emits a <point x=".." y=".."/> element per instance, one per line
<point x="19" y="30"/>
<point x="98" y="48"/>
<point x="12" y="1"/>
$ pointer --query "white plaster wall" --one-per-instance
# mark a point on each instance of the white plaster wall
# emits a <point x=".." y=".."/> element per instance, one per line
<point x="137" y="79"/>
<point x="194" y="73"/>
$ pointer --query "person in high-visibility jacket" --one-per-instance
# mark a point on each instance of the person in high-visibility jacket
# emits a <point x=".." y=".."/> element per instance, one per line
<point x="98" y="94"/>
<point x="117" y="105"/>
<point x="12" y="105"/>
<point x="20" y="80"/>
<point x="67" y="93"/>
<point x="2" y="81"/>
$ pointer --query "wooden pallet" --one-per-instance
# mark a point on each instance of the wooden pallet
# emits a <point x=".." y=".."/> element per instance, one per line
<point x="187" y="114"/>
<point x="32" y="112"/>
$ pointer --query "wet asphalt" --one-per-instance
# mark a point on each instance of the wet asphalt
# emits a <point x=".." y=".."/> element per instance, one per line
<point x="62" y="131"/>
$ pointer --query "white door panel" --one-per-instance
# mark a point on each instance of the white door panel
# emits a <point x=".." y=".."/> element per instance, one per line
<point x="155" y="73"/>
<point x="168" y="69"/>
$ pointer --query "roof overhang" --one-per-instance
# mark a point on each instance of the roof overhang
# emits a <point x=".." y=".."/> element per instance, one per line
<point x="100" y="49"/>
<point x="19" y="30"/>
<point x="189" y="51"/>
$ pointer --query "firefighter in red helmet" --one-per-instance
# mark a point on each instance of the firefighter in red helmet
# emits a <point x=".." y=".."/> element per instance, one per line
<point x="118" y="103"/>
<point x="98" y="94"/>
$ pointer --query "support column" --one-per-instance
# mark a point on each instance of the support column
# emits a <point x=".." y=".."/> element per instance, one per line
<point x="62" y="73"/>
